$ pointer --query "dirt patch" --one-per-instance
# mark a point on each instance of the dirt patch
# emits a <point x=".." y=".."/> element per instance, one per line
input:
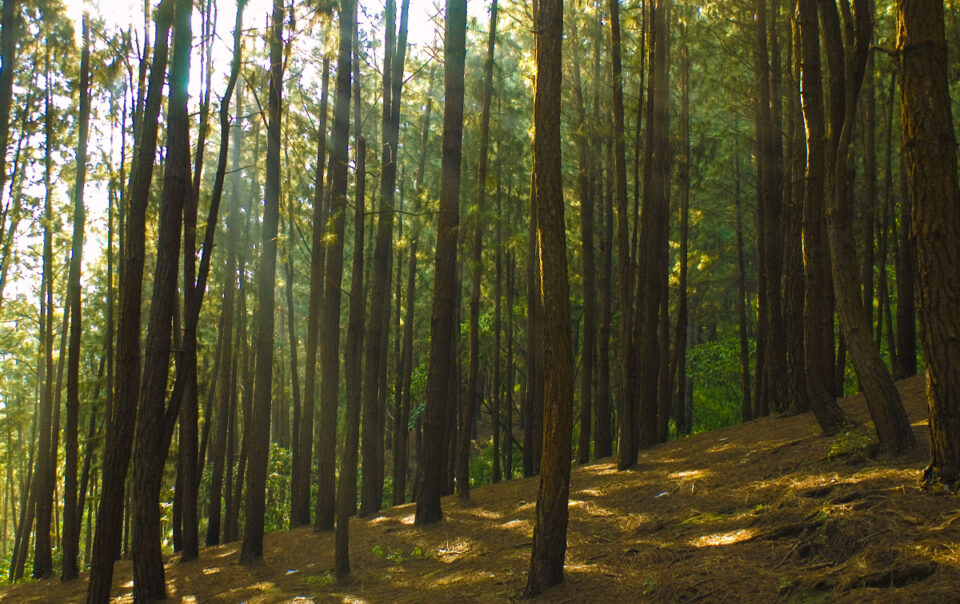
<point x="761" y="512"/>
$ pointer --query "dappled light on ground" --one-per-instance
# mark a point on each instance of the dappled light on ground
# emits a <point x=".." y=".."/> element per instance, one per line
<point x="763" y="512"/>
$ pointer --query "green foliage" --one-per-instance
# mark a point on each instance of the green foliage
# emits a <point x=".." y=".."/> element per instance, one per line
<point x="714" y="370"/>
<point x="277" y="515"/>
<point x="324" y="580"/>
<point x="849" y="443"/>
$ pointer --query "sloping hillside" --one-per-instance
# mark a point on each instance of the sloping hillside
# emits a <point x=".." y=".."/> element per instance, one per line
<point x="761" y="512"/>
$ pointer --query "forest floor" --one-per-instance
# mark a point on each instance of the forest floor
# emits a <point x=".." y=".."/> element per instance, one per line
<point x="761" y="512"/>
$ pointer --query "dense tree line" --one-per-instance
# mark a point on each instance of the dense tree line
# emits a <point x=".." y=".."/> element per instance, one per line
<point x="632" y="222"/>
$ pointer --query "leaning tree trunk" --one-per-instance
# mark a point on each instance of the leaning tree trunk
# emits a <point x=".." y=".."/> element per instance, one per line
<point x="847" y="66"/>
<point x="119" y="440"/>
<point x="932" y="184"/>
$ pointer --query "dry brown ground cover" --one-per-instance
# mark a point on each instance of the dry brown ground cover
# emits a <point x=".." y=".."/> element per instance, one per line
<point x="766" y="511"/>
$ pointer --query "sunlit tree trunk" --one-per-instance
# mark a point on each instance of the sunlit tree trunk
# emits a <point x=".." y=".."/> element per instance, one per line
<point x="550" y="530"/>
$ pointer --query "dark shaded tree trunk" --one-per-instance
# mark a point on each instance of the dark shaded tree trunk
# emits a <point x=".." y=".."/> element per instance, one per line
<point x="586" y="192"/>
<point x="927" y="130"/>
<point x="473" y="372"/>
<point x="746" y="407"/>
<point x="72" y="514"/>
<point x="401" y="453"/>
<point x="818" y="351"/>
<point x="680" y="341"/>
<point x="375" y="366"/>
<point x="905" y="363"/>
<point x="148" y="449"/>
<point x="654" y="226"/>
<point x="259" y="448"/>
<point x="442" y="326"/>
<point x="347" y="494"/>
<point x="847" y="66"/>
<point x="628" y="438"/>
<point x="550" y="530"/>
<point x="119" y="439"/>
<point x="793" y="268"/>
<point x="300" y="480"/>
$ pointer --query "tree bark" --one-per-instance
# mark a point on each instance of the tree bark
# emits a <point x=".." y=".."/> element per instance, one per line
<point x="816" y="310"/>
<point x="473" y="372"/>
<point x="347" y="494"/>
<point x="847" y="66"/>
<point x="928" y="140"/>
<point x="300" y="479"/>
<point x="252" y="549"/>
<point x="72" y="515"/>
<point x="442" y="327"/>
<point x="550" y="530"/>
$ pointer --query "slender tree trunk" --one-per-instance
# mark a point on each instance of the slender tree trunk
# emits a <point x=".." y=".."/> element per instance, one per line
<point x="652" y="278"/>
<point x="300" y="480"/>
<point x="120" y="434"/>
<point x="255" y="503"/>
<point x="330" y="308"/>
<point x="148" y="456"/>
<point x="72" y="515"/>
<point x="43" y="487"/>
<point x="400" y="453"/>
<point x="816" y="310"/>
<point x="473" y="373"/>
<point x="586" y="192"/>
<point x="847" y="66"/>
<point x="442" y="335"/>
<point x="927" y="129"/>
<point x="550" y="530"/>
<point x="508" y="423"/>
<point x="347" y="493"/>
<point x="746" y="407"/>
<point x="628" y="438"/>
<point x="680" y="341"/>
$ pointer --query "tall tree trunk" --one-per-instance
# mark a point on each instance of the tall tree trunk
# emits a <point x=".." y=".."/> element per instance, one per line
<point x="148" y="459"/>
<point x="905" y="363"/>
<point x="793" y="231"/>
<point x="330" y="307"/>
<point x="442" y="333"/>
<point x="603" y="445"/>
<point x="473" y="372"/>
<point x="400" y="452"/>
<point x="746" y="407"/>
<point x="932" y="185"/>
<point x="300" y="479"/>
<point x="773" y="393"/>
<point x="509" y="400"/>
<point x="72" y="515"/>
<point x="226" y="358"/>
<point x="550" y="530"/>
<point x="652" y="277"/>
<point x="43" y="480"/>
<point x="847" y="66"/>
<point x="255" y="503"/>
<point x="347" y="493"/>
<point x="116" y="455"/>
<point x="374" y="366"/>
<point x="816" y="310"/>
<point x="680" y="341"/>
<point x="628" y="439"/>
<point x="586" y="193"/>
